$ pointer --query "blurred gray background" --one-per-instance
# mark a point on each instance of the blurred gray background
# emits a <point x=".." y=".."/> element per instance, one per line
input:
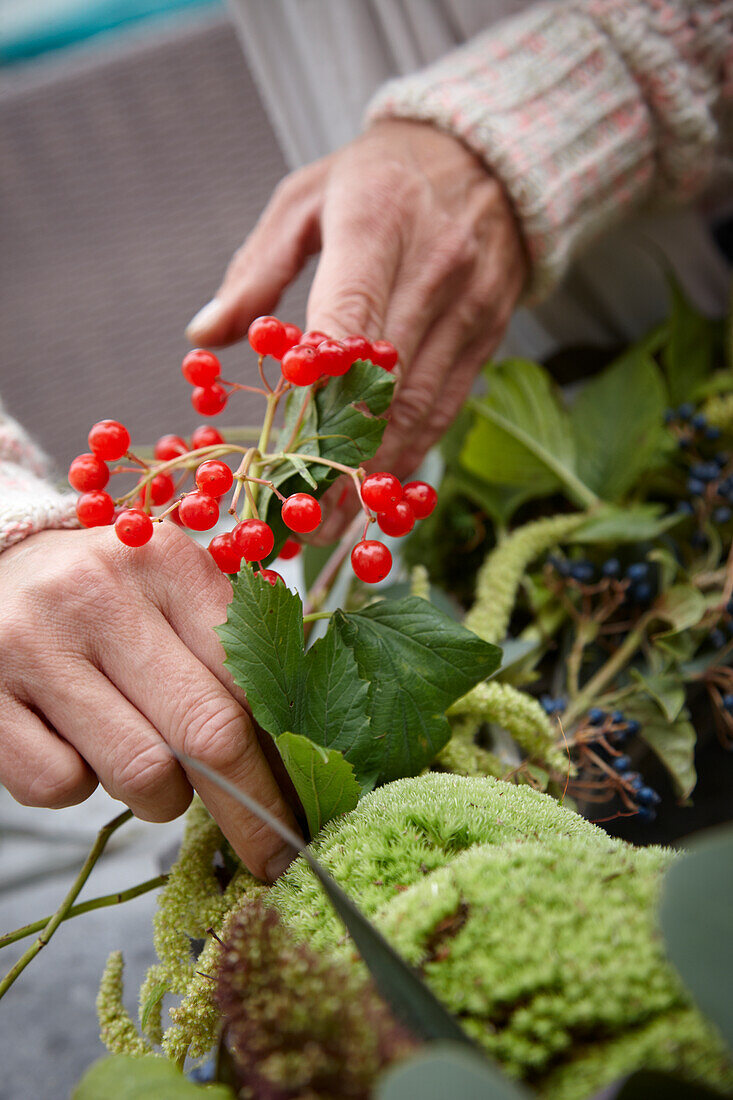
<point x="134" y="157"/>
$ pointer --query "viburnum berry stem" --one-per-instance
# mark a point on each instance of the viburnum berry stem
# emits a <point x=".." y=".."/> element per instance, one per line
<point x="261" y="369"/>
<point x="239" y="477"/>
<point x="313" y="616"/>
<point x="247" y="389"/>
<point x="139" y="461"/>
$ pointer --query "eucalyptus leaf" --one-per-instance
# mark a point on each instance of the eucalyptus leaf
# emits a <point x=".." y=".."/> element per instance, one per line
<point x="323" y="779"/>
<point x="521" y="435"/>
<point x="125" y="1077"/>
<point x="417" y="662"/>
<point x="447" y="1073"/>
<point x="409" y="998"/>
<point x="617" y="424"/>
<point x="697" y="923"/>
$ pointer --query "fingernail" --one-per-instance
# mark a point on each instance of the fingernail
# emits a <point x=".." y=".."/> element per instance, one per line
<point x="208" y="316"/>
<point x="279" y="863"/>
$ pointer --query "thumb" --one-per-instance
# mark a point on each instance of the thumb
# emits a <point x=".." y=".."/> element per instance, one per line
<point x="287" y="233"/>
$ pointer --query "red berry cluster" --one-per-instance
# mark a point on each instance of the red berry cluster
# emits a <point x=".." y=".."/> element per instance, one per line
<point x="305" y="358"/>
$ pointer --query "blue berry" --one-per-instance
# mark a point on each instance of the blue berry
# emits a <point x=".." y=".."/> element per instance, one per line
<point x="722" y="515"/>
<point x="712" y="433"/>
<point x="647" y="796"/>
<point x="717" y="639"/>
<point x="699" y="540"/>
<point x="646" y="814"/>
<point x="684" y="442"/>
<point x="611" y="568"/>
<point x="640" y="593"/>
<point x="547" y="703"/>
<point x="728" y="701"/>
<point x="685" y="411"/>
<point x="699" y="421"/>
<point x="695" y="487"/>
<point x="632" y="727"/>
<point x="583" y="572"/>
<point x="621" y="764"/>
<point x="639" y="571"/>
<point x="669" y="416"/>
<point x="685" y="508"/>
<point x="617" y="717"/>
<point x="634" y="780"/>
<point x="596" y="716"/>
<point x="721" y="459"/>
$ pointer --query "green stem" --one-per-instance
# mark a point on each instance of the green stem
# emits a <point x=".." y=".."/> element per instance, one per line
<point x="273" y="400"/>
<point x="62" y="912"/>
<point x="86" y="907"/>
<point x="611" y="669"/>
<point x="314" y="615"/>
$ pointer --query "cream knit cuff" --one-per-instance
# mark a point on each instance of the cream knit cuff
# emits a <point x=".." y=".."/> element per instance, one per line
<point x="585" y="111"/>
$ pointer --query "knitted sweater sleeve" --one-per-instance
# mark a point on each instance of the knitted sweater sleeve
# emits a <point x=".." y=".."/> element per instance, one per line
<point x="587" y="110"/>
<point x="29" y="500"/>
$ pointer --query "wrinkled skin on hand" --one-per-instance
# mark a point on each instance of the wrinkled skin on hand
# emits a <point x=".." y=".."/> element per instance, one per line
<point x="109" y="657"/>
<point x="418" y="245"/>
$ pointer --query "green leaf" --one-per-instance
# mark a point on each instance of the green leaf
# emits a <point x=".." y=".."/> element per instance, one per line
<point x="444" y="1072"/>
<point x="666" y="689"/>
<point x="156" y="995"/>
<point x="521" y="434"/>
<point x="673" y="742"/>
<point x="304" y="472"/>
<point x="405" y="992"/>
<point x="689" y="354"/>
<point x="651" y="1084"/>
<point x="631" y="523"/>
<point x="617" y="424"/>
<point x="332" y="704"/>
<point x="418" y="662"/>
<point x="696" y="908"/>
<point x="682" y="606"/>
<point x="346" y="434"/>
<point x="323" y="779"/>
<point x="125" y="1077"/>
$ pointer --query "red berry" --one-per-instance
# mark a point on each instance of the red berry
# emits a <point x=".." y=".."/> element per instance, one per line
<point x="254" y="538"/>
<point x="201" y="367"/>
<point x="381" y="491"/>
<point x="300" y="365"/>
<point x="313" y="338"/>
<point x="214" y="478"/>
<point x="302" y="513"/>
<point x="289" y="549"/>
<point x="96" y="509"/>
<point x="205" y="436"/>
<point x="398" y="521"/>
<point x="209" y="400"/>
<point x="198" y="511"/>
<point x="158" y="491"/>
<point x="293" y="335"/>
<point x="421" y="497"/>
<point x="88" y="472"/>
<point x="225" y="553"/>
<point x="271" y="576"/>
<point x="109" y="440"/>
<point x="384" y="354"/>
<point x="333" y="358"/>
<point x="134" y="527"/>
<point x="358" y="347"/>
<point x="267" y="336"/>
<point x="168" y="447"/>
<point x="371" y="561"/>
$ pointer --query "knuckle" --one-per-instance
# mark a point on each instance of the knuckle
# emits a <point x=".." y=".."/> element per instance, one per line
<point x="219" y="734"/>
<point x="143" y="776"/>
<point x="354" y="307"/>
<point x="410" y="410"/>
<point x="57" y="786"/>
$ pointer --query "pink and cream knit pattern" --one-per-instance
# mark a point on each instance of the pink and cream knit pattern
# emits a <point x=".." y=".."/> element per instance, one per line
<point x="587" y="110"/>
<point x="29" y="502"/>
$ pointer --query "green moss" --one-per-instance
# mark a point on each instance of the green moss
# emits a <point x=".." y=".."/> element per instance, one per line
<point x="401" y="832"/>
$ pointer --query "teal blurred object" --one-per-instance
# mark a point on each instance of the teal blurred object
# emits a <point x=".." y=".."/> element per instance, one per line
<point x="32" y="27"/>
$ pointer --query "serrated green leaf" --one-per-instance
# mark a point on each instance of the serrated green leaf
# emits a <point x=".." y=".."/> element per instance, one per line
<point x="682" y="606"/>
<point x="445" y="1072"/>
<point x="324" y="780"/>
<point x="617" y="424"/>
<point x="521" y="434"/>
<point x="346" y="434"/>
<point x="125" y="1077"/>
<point x="418" y="662"/>
<point x="688" y="356"/>
<point x="696" y="918"/>
<point x="332" y="705"/>
<point x="632" y="523"/>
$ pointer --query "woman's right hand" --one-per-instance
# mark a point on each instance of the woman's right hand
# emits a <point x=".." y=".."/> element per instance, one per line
<point x="109" y="656"/>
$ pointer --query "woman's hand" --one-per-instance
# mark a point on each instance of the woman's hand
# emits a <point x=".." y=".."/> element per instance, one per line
<point x="418" y="245"/>
<point x="108" y="657"/>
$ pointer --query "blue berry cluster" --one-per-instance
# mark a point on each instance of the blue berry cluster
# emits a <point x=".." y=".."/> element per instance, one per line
<point x="709" y="482"/>
<point x="616" y="728"/>
<point x="552" y="706"/>
<point x="640" y="577"/>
